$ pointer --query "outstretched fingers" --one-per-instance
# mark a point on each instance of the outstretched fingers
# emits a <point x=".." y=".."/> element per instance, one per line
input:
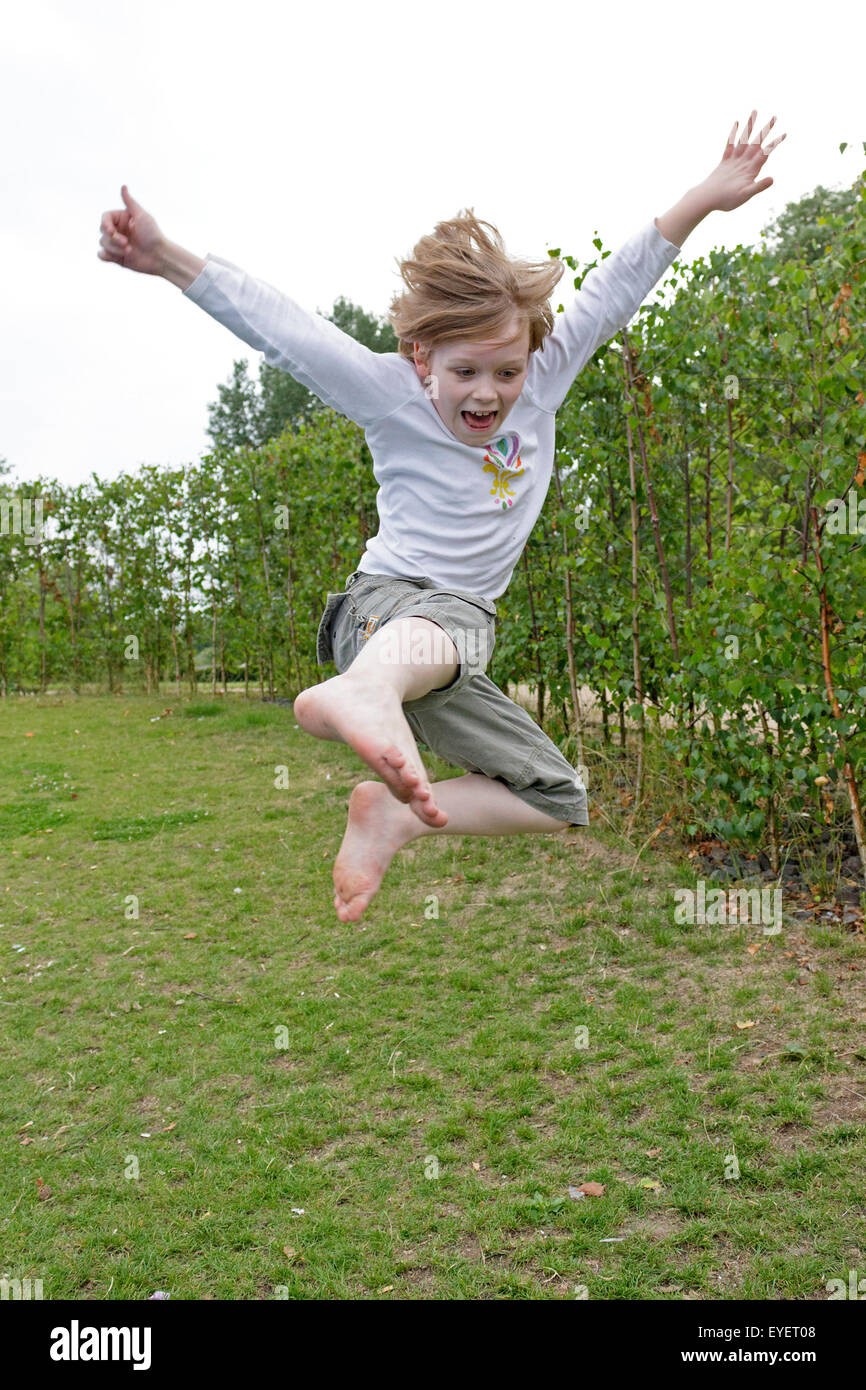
<point x="765" y="131"/>
<point x="744" y="146"/>
<point x="747" y="132"/>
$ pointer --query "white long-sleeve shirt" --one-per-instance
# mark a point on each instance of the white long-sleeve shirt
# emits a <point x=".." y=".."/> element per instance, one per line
<point x="458" y="513"/>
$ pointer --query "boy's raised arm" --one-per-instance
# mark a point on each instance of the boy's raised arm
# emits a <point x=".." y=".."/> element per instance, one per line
<point x="609" y="295"/>
<point x="179" y="266"/>
<point x="343" y="373"/>
<point x="614" y="290"/>
<point x="731" y="183"/>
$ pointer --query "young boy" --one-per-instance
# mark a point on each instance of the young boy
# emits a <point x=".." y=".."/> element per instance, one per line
<point x="459" y="493"/>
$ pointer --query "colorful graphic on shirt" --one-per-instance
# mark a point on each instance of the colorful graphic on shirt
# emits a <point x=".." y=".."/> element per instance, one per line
<point x="502" y="459"/>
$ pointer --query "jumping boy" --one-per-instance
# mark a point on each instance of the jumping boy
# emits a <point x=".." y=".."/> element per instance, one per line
<point x="412" y="632"/>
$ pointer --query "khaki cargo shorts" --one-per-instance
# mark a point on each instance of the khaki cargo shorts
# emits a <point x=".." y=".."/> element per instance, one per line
<point x="470" y="723"/>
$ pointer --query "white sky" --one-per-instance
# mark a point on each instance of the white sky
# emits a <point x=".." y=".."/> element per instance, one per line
<point x="313" y="143"/>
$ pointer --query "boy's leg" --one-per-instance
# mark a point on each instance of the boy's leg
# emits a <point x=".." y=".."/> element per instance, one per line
<point x="378" y="826"/>
<point x="518" y="782"/>
<point x="405" y="659"/>
<point x="412" y="653"/>
<point x="481" y="730"/>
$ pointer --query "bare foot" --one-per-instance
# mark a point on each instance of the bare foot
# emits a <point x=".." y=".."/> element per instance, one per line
<point x="377" y="827"/>
<point x="369" y="717"/>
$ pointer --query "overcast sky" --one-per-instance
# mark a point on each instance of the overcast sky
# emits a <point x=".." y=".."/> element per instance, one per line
<point x="313" y="144"/>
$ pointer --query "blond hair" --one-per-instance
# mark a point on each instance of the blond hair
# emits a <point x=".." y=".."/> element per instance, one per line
<point x="464" y="292"/>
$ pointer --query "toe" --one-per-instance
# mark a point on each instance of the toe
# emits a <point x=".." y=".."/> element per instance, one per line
<point x="397" y="760"/>
<point x="356" y="907"/>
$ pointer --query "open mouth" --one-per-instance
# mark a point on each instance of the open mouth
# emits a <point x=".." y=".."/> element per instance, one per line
<point x="480" y="423"/>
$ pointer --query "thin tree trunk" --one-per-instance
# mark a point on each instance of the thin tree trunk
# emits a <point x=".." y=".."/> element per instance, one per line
<point x="817" y="370"/>
<point x="848" y="771"/>
<point x="635" y="629"/>
<point x="772" y="818"/>
<point x="290" y="601"/>
<point x="213" y="653"/>
<point x="688" y="488"/>
<point x="176" y="657"/>
<point x="628" y="359"/>
<point x="536" y="639"/>
<point x="569" y="624"/>
<point x="110" y="607"/>
<point x="43" y="663"/>
<point x="189" y="643"/>
<point x="689" y="562"/>
<point x="730" y="423"/>
<point x="708" y="508"/>
<point x="566" y="724"/>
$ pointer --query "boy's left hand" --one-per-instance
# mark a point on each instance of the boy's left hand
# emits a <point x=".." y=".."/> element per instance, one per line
<point x="732" y="183"/>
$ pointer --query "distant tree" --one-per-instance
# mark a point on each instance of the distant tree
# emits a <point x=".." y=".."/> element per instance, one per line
<point x="234" y="418"/>
<point x="376" y="334"/>
<point x="247" y="417"/>
<point x="805" y="228"/>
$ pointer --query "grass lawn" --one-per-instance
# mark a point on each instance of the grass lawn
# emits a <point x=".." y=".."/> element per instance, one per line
<point x="213" y="1087"/>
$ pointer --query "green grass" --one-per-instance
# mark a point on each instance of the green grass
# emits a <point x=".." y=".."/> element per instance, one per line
<point x="194" y="1044"/>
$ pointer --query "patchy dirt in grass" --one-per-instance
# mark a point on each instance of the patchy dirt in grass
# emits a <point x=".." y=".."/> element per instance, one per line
<point x="843" y="1103"/>
<point x="323" y="1153"/>
<point x="732" y="1265"/>
<point x="659" y="1225"/>
<point x="149" y="1105"/>
<point x="789" y="1137"/>
<point x="283" y="1062"/>
<point x="422" y="1279"/>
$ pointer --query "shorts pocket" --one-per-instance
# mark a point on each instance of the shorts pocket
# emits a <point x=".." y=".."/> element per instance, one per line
<point x="324" y="636"/>
<point x="487" y="604"/>
<point x="473" y="633"/>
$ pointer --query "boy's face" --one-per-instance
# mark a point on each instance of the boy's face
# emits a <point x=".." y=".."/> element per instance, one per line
<point x="470" y="377"/>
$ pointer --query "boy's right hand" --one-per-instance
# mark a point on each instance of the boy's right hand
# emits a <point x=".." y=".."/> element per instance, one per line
<point x="131" y="238"/>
